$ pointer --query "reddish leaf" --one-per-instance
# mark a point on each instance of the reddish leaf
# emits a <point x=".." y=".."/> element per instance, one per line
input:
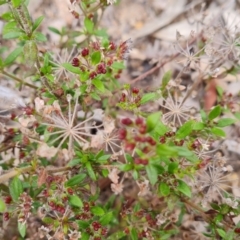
<point x="210" y="96"/>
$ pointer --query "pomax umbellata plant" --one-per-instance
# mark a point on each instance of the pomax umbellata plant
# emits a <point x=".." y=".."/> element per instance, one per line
<point x="57" y="149"/>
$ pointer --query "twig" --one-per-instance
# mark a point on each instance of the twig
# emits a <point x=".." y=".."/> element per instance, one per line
<point x="14" y="172"/>
<point x="203" y="214"/>
<point x="159" y="65"/>
<point x="17" y="171"/>
<point x="19" y="80"/>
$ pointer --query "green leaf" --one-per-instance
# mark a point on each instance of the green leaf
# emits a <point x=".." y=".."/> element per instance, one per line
<point x="2" y="206"/>
<point x="152" y="173"/>
<point x="106" y="219"/>
<point x="152" y="120"/>
<point x="40" y="37"/>
<point x="172" y="167"/>
<point x="2" y="2"/>
<point x="88" y="25"/>
<point x="105" y="172"/>
<point x="223" y="122"/>
<point x="90" y="171"/>
<point x="237" y="115"/>
<point x="37" y="23"/>
<point x="220" y="91"/>
<point x="74" y="200"/>
<point x="22" y="229"/>
<point x="164" y="189"/>
<point x="9" y="27"/>
<point x="95" y="96"/>
<point x="75" y="180"/>
<point x="101" y="33"/>
<point x="166" y="78"/>
<point x="185" y="129"/>
<point x="135" y="174"/>
<point x="16" y="188"/>
<point x="166" y="151"/>
<point x="104" y="158"/>
<point x="96" y="57"/>
<point x="148" y="97"/>
<point x="48" y="220"/>
<point x="85" y="236"/>
<point x="184" y="188"/>
<point x="105" y="42"/>
<point x="13" y="55"/>
<point x="133" y="234"/>
<point x="218" y="218"/>
<point x="71" y="68"/>
<point x="160" y="129"/>
<point x="203" y="115"/>
<point x="126" y="167"/>
<point x="97" y="211"/>
<point x="98" y="84"/>
<point x="16" y="3"/>
<point x="198" y="126"/>
<point x="218" y="132"/>
<point x="84" y="76"/>
<point x="12" y="35"/>
<point x="54" y="30"/>
<point x="184" y="152"/>
<point x="221" y="232"/>
<point x="215" y="113"/>
<point x="118" y="65"/>
<point x="82" y="224"/>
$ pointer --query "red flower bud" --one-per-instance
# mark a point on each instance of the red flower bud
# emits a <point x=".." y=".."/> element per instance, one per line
<point x="85" y="52"/>
<point x="127" y="121"/>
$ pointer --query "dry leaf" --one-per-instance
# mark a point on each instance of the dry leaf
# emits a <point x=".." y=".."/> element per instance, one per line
<point x="42" y="177"/>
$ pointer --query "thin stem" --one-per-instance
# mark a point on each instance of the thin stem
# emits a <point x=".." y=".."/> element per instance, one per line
<point x="14" y="172"/>
<point x="5" y="148"/>
<point x="17" y="171"/>
<point x="159" y="65"/>
<point x="203" y="214"/>
<point x="60" y="169"/>
<point x="43" y="78"/>
<point x="19" y="80"/>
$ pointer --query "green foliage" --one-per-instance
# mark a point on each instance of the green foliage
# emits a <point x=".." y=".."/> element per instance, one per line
<point x="185" y="129"/>
<point x="148" y="97"/>
<point x="98" y="84"/>
<point x="13" y="55"/>
<point x="184" y="188"/>
<point x="97" y="211"/>
<point x="75" y="201"/>
<point x="75" y="180"/>
<point x="96" y="57"/>
<point x="89" y="25"/>
<point x="37" y="23"/>
<point x="152" y="121"/>
<point x="70" y="68"/>
<point x="22" y="229"/>
<point x="215" y="112"/>
<point x="224" y="122"/>
<point x="15" y="188"/>
<point x="106" y="218"/>
<point x="164" y="189"/>
<point x="166" y="78"/>
<point x="83" y="133"/>
<point x="2" y="206"/>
